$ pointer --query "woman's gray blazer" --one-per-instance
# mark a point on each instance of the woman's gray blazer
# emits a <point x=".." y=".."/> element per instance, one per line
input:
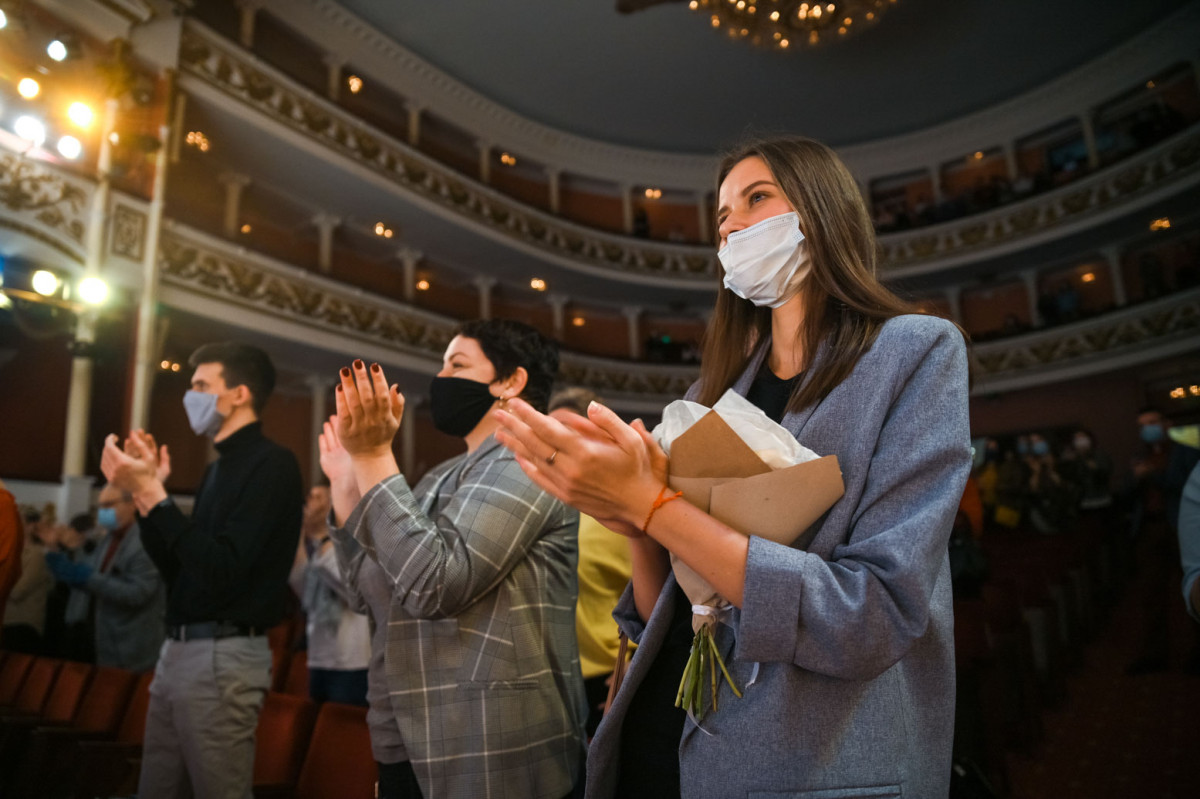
<point x="853" y="625"/>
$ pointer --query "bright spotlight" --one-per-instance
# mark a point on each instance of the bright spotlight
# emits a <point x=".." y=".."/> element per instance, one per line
<point x="93" y="290"/>
<point x="44" y="283"/>
<point x="80" y="114"/>
<point x="69" y="148"/>
<point x="57" y="50"/>
<point x="28" y="88"/>
<point x="3" y="20"/>
<point x="30" y="129"/>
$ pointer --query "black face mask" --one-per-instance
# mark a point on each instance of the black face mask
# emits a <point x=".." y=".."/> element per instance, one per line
<point x="458" y="404"/>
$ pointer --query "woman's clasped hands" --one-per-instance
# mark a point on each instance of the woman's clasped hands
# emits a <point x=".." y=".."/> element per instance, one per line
<point x="368" y="410"/>
<point x="605" y="468"/>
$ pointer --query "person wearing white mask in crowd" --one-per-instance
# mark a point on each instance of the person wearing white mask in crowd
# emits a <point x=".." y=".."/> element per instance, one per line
<point x="844" y="641"/>
<point x="118" y="586"/>
<point x="226" y="570"/>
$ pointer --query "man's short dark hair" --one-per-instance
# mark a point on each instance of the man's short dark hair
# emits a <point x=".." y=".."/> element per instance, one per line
<point x="241" y="365"/>
<point x="509" y="344"/>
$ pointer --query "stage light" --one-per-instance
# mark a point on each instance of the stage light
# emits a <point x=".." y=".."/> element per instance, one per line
<point x="93" y="290"/>
<point x="3" y="20"/>
<point x="69" y="148"/>
<point x="30" y="129"/>
<point x="44" y="283"/>
<point x="64" y="46"/>
<point x="537" y="284"/>
<point x="28" y="88"/>
<point x="80" y="114"/>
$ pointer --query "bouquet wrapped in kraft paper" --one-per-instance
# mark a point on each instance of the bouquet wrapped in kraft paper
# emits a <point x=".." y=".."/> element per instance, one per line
<point x="748" y="472"/>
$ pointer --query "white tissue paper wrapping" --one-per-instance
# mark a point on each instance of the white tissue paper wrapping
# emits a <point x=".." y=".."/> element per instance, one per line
<point x="769" y="440"/>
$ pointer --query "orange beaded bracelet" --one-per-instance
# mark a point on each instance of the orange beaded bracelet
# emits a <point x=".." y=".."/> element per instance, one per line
<point x="658" y="503"/>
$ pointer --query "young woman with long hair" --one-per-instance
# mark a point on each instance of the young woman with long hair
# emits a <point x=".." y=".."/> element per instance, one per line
<point x="844" y="646"/>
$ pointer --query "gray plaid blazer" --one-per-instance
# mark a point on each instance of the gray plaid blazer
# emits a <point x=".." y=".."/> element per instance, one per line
<point x="481" y="662"/>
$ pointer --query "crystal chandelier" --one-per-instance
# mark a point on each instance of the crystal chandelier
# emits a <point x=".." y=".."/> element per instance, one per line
<point x="784" y="24"/>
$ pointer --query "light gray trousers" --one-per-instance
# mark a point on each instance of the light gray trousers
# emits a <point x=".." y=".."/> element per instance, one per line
<point x="204" y="704"/>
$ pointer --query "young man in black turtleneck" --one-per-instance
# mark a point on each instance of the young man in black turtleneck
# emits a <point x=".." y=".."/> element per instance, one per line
<point x="226" y="571"/>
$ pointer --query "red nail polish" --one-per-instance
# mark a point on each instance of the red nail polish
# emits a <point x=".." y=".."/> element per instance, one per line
<point x="375" y="368"/>
<point x="358" y="364"/>
<point x="345" y="373"/>
<point x="339" y="388"/>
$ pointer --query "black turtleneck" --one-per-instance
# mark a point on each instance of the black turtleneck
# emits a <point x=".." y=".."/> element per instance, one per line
<point x="230" y="561"/>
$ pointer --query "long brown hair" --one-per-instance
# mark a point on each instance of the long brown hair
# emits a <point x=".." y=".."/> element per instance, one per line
<point x="845" y="305"/>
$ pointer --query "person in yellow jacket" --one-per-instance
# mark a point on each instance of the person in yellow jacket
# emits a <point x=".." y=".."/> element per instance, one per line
<point x="604" y="569"/>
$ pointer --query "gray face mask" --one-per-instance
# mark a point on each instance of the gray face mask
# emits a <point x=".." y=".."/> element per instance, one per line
<point x="202" y="413"/>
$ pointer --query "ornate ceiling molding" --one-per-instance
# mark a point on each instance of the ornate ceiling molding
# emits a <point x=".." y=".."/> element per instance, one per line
<point x="48" y="204"/>
<point x="1144" y="178"/>
<point x="1125" y="337"/>
<point x="200" y="266"/>
<point x="349" y="37"/>
<point x="1147" y="177"/>
<point x="235" y="74"/>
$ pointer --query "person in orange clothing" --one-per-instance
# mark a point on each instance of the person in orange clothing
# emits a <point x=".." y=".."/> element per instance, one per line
<point x="12" y="542"/>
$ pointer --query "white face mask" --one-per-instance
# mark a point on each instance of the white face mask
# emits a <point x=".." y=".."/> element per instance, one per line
<point x="766" y="262"/>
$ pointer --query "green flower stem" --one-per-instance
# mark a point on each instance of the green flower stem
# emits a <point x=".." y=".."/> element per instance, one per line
<point x="724" y="671"/>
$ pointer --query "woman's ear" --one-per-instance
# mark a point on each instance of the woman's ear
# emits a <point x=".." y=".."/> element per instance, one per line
<point x="514" y="384"/>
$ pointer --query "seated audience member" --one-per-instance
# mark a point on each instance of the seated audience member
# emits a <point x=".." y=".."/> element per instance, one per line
<point x="339" y="636"/>
<point x="604" y="569"/>
<point x="117" y="586"/>
<point x="25" y="613"/>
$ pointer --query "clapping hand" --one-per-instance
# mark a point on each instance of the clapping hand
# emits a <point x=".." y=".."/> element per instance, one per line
<point x="368" y="411"/>
<point x="607" y="469"/>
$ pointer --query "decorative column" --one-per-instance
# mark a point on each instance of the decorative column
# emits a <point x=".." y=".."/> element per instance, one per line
<point x="485" y="286"/>
<point x="146" y="347"/>
<point x="485" y="161"/>
<point x="936" y="180"/>
<point x="1029" y="277"/>
<point x="558" y="303"/>
<point x="414" y="123"/>
<point x="632" y="316"/>
<point x="409" y="260"/>
<point x="953" y="294"/>
<point x="627" y="209"/>
<point x="1112" y="256"/>
<point x="1010" y="161"/>
<point x="249" y="10"/>
<point x="177" y="133"/>
<point x="333" y="67"/>
<point x="702" y="216"/>
<point x="552" y="185"/>
<point x="326" y="225"/>
<point x="1089" y="139"/>
<point x="408" y="434"/>
<point x="234" y="184"/>
<point x="318" y="389"/>
<point x="76" y="486"/>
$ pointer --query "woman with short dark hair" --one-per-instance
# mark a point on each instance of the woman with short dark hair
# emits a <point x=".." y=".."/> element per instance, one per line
<point x="469" y="579"/>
